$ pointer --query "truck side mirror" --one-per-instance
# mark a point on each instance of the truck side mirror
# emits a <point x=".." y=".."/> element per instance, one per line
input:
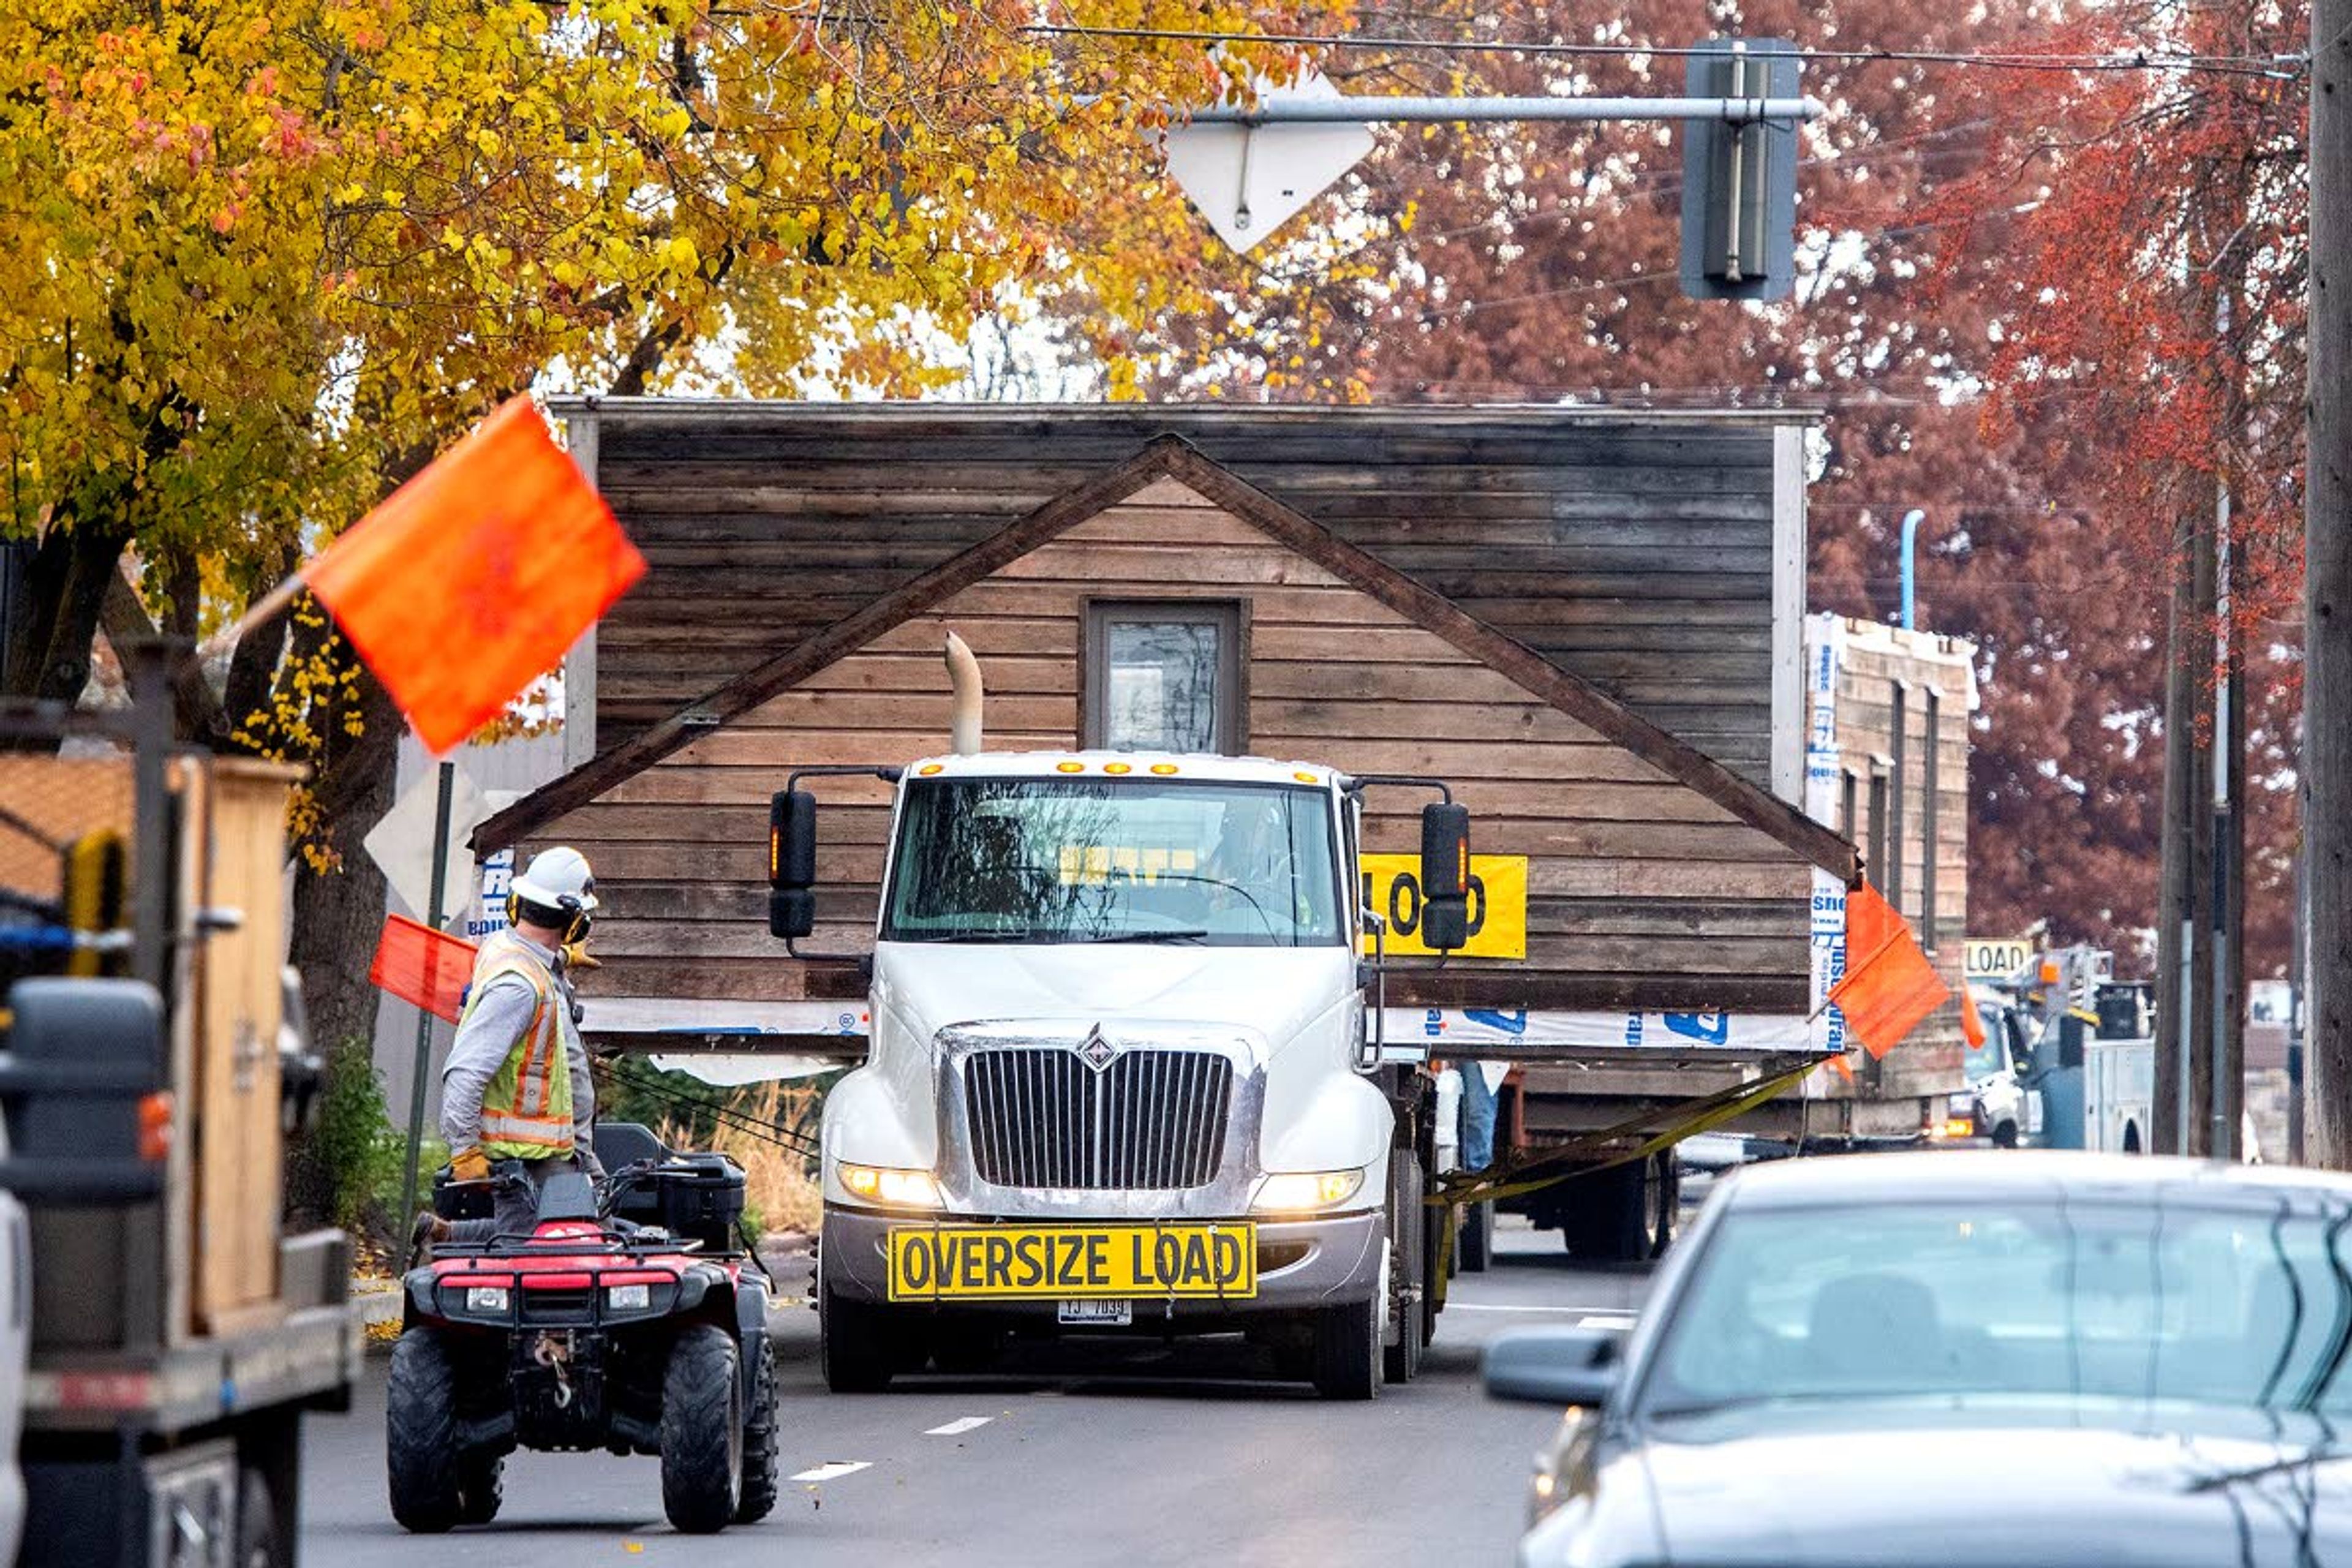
<point x="1444" y="875"/>
<point x="791" y="863"/>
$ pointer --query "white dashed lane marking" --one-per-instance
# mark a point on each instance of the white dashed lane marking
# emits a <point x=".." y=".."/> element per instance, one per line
<point x="835" y="1470"/>
<point x="959" y="1426"/>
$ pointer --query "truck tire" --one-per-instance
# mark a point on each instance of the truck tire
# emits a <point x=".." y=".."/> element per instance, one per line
<point x="421" y="1434"/>
<point x="1473" y="1243"/>
<point x="481" y="1488"/>
<point x="257" y="1543"/>
<point x="761" y="1439"/>
<point x="1607" y="1218"/>
<point x="1666" y="1182"/>
<point x="702" y="1436"/>
<point x="1408" y="1269"/>
<point x="1347" y="1358"/>
<point x="853" y="1346"/>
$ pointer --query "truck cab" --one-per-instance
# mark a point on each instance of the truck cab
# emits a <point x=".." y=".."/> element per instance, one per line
<point x="1123" y="1073"/>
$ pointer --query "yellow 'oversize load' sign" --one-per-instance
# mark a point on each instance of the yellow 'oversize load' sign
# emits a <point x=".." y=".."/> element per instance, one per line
<point x="933" y="1263"/>
<point x="1499" y="904"/>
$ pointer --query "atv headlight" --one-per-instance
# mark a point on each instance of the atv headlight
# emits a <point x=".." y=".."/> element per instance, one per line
<point x="486" y="1298"/>
<point x="898" y="1189"/>
<point x="1304" y="1192"/>
<point x="629" y="1297"/>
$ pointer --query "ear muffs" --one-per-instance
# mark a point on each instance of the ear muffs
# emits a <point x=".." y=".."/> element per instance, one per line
<point x="574" y="932"/>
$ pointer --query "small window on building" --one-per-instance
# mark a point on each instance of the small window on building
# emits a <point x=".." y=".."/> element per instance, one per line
<point x="1164" y="678"/>
<point x="1897" y="849"/>
<point x="1849" y="823"/>
<point x="1929" y="820"/>
<point x="1877" y="867"/>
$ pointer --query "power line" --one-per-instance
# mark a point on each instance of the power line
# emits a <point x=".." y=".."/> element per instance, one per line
<point x="2279" y="68"/>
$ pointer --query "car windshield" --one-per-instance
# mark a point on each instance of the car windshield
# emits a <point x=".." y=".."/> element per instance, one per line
<point x="1131" y="860"/>
<point x="2209" y="1305"/>
<point x="1983" y="1061"/>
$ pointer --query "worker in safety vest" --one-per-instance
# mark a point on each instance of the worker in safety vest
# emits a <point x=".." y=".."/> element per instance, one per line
<point x="517" y="1102"/>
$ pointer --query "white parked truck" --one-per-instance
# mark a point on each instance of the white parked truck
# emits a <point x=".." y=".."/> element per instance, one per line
<point x="1125" y="1074"/>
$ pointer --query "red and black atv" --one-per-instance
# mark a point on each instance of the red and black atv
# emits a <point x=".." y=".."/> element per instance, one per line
<point x="632" y="1320"/>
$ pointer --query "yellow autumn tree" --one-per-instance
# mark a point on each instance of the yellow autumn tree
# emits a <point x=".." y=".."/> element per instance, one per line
<point x="261" y="257"/>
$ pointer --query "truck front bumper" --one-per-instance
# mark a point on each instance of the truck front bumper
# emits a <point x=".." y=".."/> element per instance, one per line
<point x="1301" y="1265"/>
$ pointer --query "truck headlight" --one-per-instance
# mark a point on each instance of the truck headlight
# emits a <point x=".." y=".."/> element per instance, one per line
<point x="898" y="1189"/>
<point x="1304" y="1192"/>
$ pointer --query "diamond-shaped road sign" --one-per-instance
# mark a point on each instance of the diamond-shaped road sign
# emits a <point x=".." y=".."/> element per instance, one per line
<point x="403" y="842"/>
<point x="1249" y="180"/>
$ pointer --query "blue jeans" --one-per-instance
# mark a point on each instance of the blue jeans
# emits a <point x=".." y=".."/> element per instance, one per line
<point x="1477" y="1118"/>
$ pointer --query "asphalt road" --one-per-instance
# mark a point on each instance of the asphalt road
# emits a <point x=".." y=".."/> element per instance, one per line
<point x="1072" y="1454"/>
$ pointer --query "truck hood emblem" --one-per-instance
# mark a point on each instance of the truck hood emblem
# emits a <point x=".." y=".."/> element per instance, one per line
<point x="1096" y="1051"/>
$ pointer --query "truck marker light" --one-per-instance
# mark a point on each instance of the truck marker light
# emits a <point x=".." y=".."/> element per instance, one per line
<point x="1069" y="767"/>
<point x="1118" y="770"/>
<point x="927" y="769"/>
<point x="1305" y="778"/>
<point x="1163" y="769"/>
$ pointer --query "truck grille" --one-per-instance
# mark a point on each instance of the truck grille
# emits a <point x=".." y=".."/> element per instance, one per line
<point x="1043" y="1118"/>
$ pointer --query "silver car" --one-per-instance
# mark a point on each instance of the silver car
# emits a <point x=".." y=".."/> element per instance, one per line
<point x="1965" y="1358"/>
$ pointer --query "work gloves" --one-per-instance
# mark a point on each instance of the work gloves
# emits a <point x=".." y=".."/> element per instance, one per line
<point x="470" y="1165"/>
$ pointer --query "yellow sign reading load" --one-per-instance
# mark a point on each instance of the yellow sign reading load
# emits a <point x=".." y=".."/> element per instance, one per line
<point x="1499" y="904"/>
<point x="1068" y="1262"/>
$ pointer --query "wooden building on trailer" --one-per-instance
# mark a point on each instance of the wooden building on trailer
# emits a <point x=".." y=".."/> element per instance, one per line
<point x="1588" y="621"/>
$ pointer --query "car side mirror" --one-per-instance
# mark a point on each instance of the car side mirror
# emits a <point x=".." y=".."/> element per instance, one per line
<point x="1444" y="875"/>
<point x="1555" y="1366"/>
<point x="792" y="864"/>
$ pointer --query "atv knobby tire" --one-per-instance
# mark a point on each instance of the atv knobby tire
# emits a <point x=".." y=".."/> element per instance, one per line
<point x="759" y="1439"/>
<point x="481" y="1488"/>
<point x="702" y="1436"/>
<point x="421" y="1434"/>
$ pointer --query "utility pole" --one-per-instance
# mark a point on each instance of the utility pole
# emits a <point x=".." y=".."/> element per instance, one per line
<point x="2327" y="592"/>
<point x="2184" y="970"/>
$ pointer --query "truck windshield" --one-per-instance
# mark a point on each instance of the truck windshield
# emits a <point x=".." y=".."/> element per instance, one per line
<point x="1133" y="859"/>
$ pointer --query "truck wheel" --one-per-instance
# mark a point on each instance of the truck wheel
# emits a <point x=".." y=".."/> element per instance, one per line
<point x="853" y="1345"/>
<point x="1408" y="1269"/>
<point x="702" y="1436"/>
<point x="1475" y="1242"/>
<point x="481" y="1488"/>
<point x="1348" y="1350"/>
<point x="421" y="1434"/>
<point x="1606" y="1216"/>
<point x="759" y="1439"/>
<point x="1666" y="1182"/>
<point x="257" y="1545"/>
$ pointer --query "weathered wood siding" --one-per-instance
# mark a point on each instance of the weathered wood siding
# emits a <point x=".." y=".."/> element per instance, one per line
<point x="1637" y="555"/>
<point x="1643" y="892"/>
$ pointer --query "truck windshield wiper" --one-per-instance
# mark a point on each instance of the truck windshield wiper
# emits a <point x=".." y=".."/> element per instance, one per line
<point x="1173" y="933"/>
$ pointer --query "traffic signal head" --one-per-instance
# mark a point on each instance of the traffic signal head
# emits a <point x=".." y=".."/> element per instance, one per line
<point x="1739" y="177"/>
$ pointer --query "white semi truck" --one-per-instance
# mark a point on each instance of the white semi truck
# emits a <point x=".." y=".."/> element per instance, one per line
<point x="1125" y="1068"/>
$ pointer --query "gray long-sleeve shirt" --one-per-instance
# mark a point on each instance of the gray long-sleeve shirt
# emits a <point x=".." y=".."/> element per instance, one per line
<point x="495" y="1021"/>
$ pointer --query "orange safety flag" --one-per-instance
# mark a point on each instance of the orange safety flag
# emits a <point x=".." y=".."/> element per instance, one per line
<point x="422" y="966"/>
<point x="1889" y="985"/>
<point x="1971" y="1022"/>
<point x="474" y="577"/>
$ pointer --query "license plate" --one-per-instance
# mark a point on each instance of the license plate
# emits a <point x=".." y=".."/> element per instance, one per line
<point x="1073" y="1263"/>
<point x="1118" y="1314"/>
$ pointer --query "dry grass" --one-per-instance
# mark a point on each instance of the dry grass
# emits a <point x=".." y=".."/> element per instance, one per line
<point x="779" y="1190"/>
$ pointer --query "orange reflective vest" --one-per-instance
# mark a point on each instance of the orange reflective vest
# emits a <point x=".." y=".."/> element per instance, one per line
<point x="527" y="1106"/>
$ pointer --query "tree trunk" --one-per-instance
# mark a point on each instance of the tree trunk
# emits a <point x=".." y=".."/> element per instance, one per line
<point x="56" y="617"/>
<point x="339" y="913"/>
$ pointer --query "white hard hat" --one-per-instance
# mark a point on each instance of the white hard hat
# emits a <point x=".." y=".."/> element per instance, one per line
<point x="558" y="878"/>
